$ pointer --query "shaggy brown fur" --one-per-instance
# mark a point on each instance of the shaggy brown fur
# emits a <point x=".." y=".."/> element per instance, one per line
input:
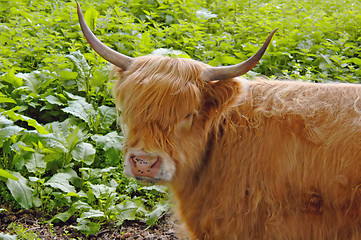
<point x="254" y="159"/>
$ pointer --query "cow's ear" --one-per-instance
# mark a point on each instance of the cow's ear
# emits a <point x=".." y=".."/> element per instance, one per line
<point x="222" y="94"/>
<point x="115" y="72"/>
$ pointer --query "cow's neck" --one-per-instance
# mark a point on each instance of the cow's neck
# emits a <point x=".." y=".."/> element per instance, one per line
<point x="204" y="187"/>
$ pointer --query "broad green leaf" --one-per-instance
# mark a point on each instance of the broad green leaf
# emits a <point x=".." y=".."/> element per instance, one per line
<point x="108" y="116"/>
<point x="82" y="68"/>
<point x="158" y="188"/>
<point x="127" y="210"/>
<point x="170" y="52"/>
<point x="205" y="14"/>
<point x="228" y="60"/>
<point x="110" y="140"/>
<point x="70" y="172"/>
<point x="26" y="148"/>
<point x="91" y="17"/>
<point x="82" y="206"/>
<point x="84" y="152"/>
<point x="92" y="213"/>
<point x="20" y="191"/>
<point x="30" y="80"/>
<point x="6" y="100"/>
<point x="101" y="189"/>
<point x="159" y="209"/>
<point x="112" y="144"/>
<point x="36" y="125"/>
<point x="5" y="121"/>
<point x="61" y="181"/>
<point x="32" y="122"/>
<point x="37" y="202"/>
<point x="68" y="75"/>
<point x="54" y="100"/>
<point x="10" y="78"/>
<point x="87" y="227"/>
<point x="100" y="77"/>
<point x="113" y="155"/>
<point x="7" y="132"/>
<point x="64" y="216"/>
<point x="72" y="139"/>
<point x="36" y="163"/>
<point x="19" y="159"/>
<point x="6" y="174"/>
<point x="327" y="59"/>
<point x="56" y="141"/>
<point x="354" y="60"/>
<point x="36" y="80"/>
<point x="95" y="172"/>
<point x="36" y="179"/>
<point x="73" y="194"/>
<point x="108" y="169"/>
<point x="74" y="96"/>
<point x="81" y="109"/>
<point x="7" y="236"/>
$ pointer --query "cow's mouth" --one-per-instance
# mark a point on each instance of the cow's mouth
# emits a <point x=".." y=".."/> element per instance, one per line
<point x="147" y="179"/>
<point x="149" y="167"/>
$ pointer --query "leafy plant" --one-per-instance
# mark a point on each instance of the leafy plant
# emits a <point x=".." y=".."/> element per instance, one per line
<point x="20" y="233"/>
<point x="6" y="174"/>
<point x="7" y="236"/>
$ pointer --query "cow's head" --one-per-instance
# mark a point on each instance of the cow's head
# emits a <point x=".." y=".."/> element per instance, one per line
<point x="168" y="106"/>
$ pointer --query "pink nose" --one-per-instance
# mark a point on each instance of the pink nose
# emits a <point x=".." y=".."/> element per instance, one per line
<point x="144" y="165"/>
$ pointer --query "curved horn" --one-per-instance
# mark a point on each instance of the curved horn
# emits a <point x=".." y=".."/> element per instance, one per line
<point x="104" y="51"/>
<point x="221" y="73"/>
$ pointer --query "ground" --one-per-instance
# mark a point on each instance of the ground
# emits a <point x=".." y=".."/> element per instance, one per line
<point x="31" y="223"/>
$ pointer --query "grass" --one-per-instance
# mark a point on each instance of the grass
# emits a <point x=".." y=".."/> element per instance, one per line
<point x="60" y="149"/>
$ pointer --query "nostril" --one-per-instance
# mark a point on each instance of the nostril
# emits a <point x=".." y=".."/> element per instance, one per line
<point x="157" y="163"/>
<point x="133" y="161"/>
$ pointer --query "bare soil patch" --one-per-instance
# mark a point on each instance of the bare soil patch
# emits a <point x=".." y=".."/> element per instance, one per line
<point x="34" y="222"/>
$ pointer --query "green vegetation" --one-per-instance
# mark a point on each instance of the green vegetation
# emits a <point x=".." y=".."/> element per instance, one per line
<point x="20" y="233"/>
<point x="60" y="150"/>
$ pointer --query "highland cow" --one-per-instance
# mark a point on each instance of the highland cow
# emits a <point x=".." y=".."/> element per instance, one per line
<point x="244" y="159"/>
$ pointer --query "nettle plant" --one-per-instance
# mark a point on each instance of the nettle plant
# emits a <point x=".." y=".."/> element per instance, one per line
<point x="71" y="166"/>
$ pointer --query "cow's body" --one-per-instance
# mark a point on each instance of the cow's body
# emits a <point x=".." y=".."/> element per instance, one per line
<point x="244" y="159"/>
<point x="284" y="164"/>
<point x="262" y="160"/>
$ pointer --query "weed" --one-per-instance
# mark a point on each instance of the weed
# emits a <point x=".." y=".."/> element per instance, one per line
<point x="22" y="233"/>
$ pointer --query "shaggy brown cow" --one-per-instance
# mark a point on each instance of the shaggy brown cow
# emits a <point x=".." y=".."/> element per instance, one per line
<point x="244" y="159"/>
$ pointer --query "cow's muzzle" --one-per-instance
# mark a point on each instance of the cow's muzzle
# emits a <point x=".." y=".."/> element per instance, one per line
<point x="145" y="165"/>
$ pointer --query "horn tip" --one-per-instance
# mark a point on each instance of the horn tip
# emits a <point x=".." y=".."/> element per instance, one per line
<point x="78" y="7"/>
<point x="275" y="30"/>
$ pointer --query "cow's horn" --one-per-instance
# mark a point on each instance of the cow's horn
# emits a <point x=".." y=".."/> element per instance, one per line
<point x="221" y="73"/>
<point x="104" y="51"/>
